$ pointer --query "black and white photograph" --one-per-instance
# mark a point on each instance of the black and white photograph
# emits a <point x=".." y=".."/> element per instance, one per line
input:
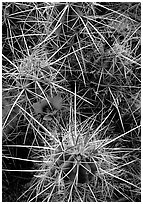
<point x="71" y="101"/>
